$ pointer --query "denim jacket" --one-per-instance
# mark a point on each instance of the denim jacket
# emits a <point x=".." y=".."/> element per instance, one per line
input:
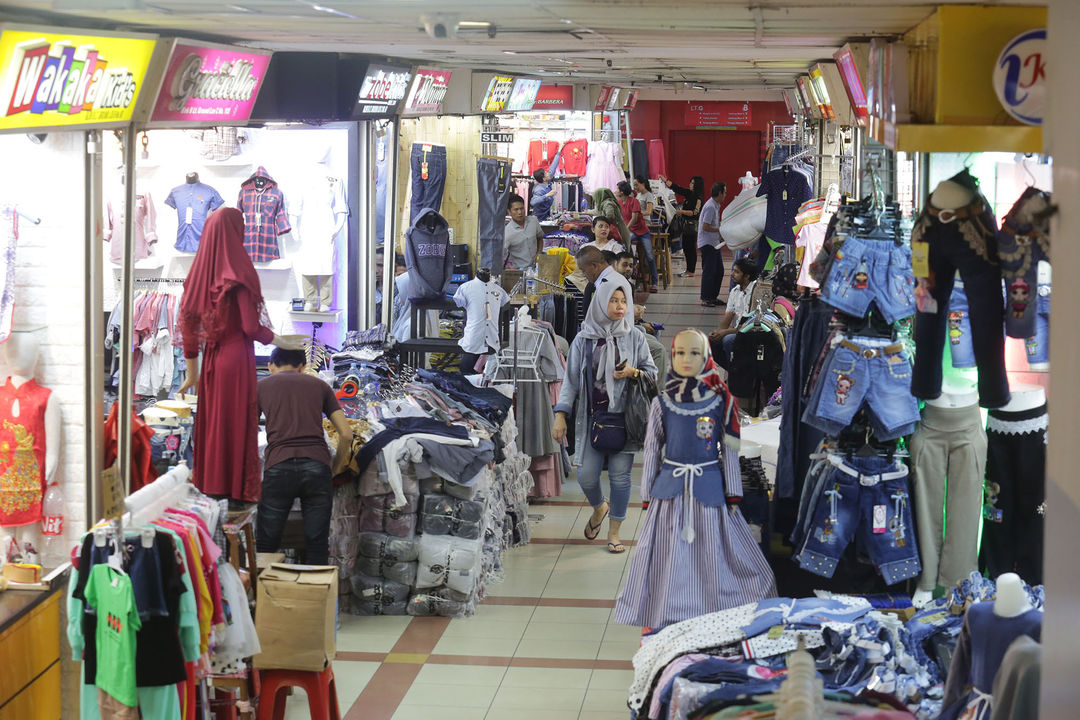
<point x="632" y="348"/>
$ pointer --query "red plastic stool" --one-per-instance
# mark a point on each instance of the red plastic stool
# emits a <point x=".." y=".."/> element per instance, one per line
<point x="319" y="686"/>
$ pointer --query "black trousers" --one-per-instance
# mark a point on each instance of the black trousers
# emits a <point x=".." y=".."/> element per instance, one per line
<point x="689" y="246"/>
<point x="285" y="481"/>
<point x="712" y="272"/>
<point x="1013" y="511"/>
<point x="950" y="252"/>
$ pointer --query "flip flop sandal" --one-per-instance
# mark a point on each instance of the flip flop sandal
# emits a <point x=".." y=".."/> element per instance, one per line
<point x="595" y="528"/>
<point x="616" y="548"/>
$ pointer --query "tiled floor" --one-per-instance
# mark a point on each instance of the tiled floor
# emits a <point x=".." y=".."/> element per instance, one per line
<point x="542" y="646"/>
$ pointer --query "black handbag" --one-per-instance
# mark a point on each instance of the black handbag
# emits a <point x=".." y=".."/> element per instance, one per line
<point x="637" y="401"/>
<point x="607" y="430"/>
<point x="677" y="226"/>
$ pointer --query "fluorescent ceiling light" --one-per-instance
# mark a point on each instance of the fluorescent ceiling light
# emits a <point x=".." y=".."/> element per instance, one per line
<point x="474" y="23"/>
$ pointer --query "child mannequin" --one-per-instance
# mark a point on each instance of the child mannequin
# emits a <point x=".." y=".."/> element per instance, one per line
<point x="696" y="554"/>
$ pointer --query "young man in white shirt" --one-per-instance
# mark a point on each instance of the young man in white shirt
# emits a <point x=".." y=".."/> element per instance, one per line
<point x="523" y="239"/>
<point x="744" y="272"/>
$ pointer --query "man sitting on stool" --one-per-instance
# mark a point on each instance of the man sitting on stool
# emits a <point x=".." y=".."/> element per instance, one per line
<point x="744" y="272"/>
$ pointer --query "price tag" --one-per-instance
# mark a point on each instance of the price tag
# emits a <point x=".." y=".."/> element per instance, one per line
<point x="427" y="148"/>
<point x="881" y="513"/>
<point x="112" y="493"/>
<point x="776" y="632"/>
<point x="187" y="216"/>
<point x="785" y="195"/>
<point x="920" y="259"/>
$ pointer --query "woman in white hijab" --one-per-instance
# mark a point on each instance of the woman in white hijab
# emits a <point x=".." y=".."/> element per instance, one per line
<point x="604" y="354"/>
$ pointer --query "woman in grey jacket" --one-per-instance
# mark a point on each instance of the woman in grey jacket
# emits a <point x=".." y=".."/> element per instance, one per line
<point x="608" y="350"/>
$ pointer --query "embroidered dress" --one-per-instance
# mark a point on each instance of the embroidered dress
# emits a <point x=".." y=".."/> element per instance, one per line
<point x="22" y="452"/>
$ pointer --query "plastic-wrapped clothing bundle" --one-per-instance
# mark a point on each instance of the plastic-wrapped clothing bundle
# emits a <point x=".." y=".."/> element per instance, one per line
<point x="378" y="514"/>
<point x="397" y="571"/>
<point x="376" y="596"/>
<point x="476" y="485"/>
<point x="430" y="604"/>
<point x="450" y="561"/>
<point x="445" y="515"/>
<point x="388" y="547"/>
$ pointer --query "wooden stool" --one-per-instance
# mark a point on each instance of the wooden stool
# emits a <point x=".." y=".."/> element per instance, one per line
<point x="662" y="253"/>
<point x="227" y="707"/>
<point x="241" y="550"/>
<point x="319" y="686"/>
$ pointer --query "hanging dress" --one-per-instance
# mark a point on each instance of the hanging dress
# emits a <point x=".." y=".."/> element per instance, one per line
<point x="22" y="452"/>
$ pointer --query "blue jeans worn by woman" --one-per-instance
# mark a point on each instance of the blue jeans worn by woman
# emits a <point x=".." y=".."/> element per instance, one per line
<point x="646" y="244"/>
<point x="285" y="481"/>
<point x="620" y="466"/>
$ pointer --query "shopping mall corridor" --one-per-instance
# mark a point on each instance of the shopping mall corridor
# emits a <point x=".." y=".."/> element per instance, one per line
<point x="542" y="645"/>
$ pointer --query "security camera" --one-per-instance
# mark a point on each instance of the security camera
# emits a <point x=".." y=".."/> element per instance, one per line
<point x="609" y="63"/>
<point x="441" y="25"/>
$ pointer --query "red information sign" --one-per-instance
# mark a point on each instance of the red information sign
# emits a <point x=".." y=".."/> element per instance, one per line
<point x="717" y="114"/>
<point x="554" y="97"/>
<point x="602" y="98"/>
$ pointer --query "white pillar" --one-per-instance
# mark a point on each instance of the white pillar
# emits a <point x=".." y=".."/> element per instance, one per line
<point x="1061" y="650"/>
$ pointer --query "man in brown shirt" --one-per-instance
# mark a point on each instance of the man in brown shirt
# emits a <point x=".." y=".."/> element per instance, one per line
<point x="298" y="461"/>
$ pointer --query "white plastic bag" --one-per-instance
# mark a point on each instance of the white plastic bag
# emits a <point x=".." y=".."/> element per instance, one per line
<point x="743" y="220"/>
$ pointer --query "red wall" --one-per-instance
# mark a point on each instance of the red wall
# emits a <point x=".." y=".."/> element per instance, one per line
<point x="658" y="119"/>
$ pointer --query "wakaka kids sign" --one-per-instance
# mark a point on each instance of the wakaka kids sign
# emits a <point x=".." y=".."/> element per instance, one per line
<point x="53" y="78"/>
<point x="209" y="84"/>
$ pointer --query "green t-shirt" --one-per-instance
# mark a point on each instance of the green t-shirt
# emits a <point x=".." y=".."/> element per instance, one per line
<point x="110" y="594"/>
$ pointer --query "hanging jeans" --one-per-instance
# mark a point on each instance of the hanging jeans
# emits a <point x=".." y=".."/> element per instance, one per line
<point x="639" y="151"/>
<point x="948" y="459"/>
<point x="1038" y="345"/>
<point x="712" y="272"/>
<point x="428" y="178"/>
<point x="1014" y="508"/>
<point x="380" y="189"/>
<point x="959" y="328"/>
<point x="951" y="251"/>
<point x="493" y="195"/>
<point x="285" y="481"/>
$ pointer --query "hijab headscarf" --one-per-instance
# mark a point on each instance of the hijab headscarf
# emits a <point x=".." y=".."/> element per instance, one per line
<point x="608" y="206"/>
<point x="221" y="264"/>
<point x="704" y="386"/>
<point x="598" y="326"/>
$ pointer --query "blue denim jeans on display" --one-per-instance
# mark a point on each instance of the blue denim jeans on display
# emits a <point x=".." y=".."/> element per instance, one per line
<point x="620" y="466"/>
<point x="959" y="329"/>
<point x="866" y="498"/>
<point x="1038" y="345"/>
<point x="646" y="244"/>
<point x="493" y="184"/>
<point x="865" y="372"/>
<point x="871" y="270"/>
<point x="428" y="164"/>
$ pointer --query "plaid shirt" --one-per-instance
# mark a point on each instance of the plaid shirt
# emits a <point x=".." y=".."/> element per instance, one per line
<point x="264" y="217"/>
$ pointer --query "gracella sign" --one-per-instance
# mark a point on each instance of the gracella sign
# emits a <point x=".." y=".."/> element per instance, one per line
<point x="205" y="84"/>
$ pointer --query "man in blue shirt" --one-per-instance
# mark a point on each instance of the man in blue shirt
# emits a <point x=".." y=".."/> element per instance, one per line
<point x="543" y="194"/>
<point x="193" y="202"/>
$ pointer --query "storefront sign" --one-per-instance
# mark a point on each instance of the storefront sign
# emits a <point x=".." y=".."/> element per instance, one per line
<point x="615" y="99"/>
<point x="383" y="88"/>
<point x="496" y="137"/>
<point x="554" y="97"/>
<point x="717" y="114"/>
<point x="523" y="95"/>
<point x="631" y="99"/>
<point x="498" y="93"/>
<point x="1020" y="77"/>
<point x="210" y="84"/>
<point x="602" y="98"/>
<point x="428" y="92"/>
<point x="59" y="79"/>
<point x="853" y="82"/>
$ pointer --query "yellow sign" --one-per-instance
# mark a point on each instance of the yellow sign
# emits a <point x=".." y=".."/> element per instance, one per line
<point x="55" y="79"/>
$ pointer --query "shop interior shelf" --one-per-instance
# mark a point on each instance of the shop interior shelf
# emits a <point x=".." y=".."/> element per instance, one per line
<point x="329" y="316"/>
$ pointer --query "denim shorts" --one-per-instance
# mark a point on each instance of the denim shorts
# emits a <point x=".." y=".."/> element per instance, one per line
<point x="1038" y="345"/>
<point x="867" y="498"/>
<point x="869" y="373"/>
<point x="864" y="271"/>
<point x="958" y="330"/>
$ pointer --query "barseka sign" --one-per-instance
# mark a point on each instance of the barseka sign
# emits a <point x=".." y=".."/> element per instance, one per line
<point x="208" y="84"/>
<point x="1020" y="77"/>
<point x="55" y="79"/>
<point x="428" y="92"/>
<point x="383" y="88"/>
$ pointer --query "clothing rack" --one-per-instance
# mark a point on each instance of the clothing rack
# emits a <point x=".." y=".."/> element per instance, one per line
<point x="151" y="280"/>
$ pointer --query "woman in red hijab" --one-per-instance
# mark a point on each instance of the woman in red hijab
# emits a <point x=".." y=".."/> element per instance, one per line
<point x="222" y="313"/>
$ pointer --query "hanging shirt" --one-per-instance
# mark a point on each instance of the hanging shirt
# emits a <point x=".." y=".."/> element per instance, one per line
<point x="145" y="228"/>
<point x="787" y="189"/>
<point x="575" y="157"/>
<point x="482" y="302"/>
<point x="321" y="210"/>
<point x="109" y="593"/>
<point x="22" y="452"/>
<point x="193" y="202"/>
<point x="541" y="154"/>
<point x="264" y="216"/>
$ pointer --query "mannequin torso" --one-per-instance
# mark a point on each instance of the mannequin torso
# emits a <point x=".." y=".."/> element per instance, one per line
<point x="1011" y="599"/>
<point x="1025" y="397"/>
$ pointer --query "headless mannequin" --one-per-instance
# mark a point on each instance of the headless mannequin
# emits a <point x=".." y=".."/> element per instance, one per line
<point x="1025" y="397"/>
<point x="20" y="356"/>
<point x="1011" y="599"/>
<point x="469" y="360"/>
<point x="319" y="288"/>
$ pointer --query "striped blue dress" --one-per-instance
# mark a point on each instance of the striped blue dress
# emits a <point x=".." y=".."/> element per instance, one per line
<point x="695" y="555"/>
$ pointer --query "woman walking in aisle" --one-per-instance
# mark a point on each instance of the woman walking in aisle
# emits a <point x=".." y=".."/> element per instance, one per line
<point x="602" y="357"/>
<point x="222" y="314"/>
<point x="695" y="553"/>
<point x="693" y="199"/>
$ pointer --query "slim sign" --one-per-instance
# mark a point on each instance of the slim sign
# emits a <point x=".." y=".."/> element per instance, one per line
<point x="498" y="93"/>
<point x="428" y="92"/>
<point x="383" y="88"/>
<point x="208" y="84"/>
<point x="56" y="79"/>
<point x="1020" y="77"/>
<point x="717" y="114"/>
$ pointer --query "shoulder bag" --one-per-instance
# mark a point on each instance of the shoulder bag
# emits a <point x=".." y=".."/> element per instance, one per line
<point x="607" y="430"/>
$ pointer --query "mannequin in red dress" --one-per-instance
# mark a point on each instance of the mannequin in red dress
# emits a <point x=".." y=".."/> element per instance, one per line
<point x="222" y="312"/>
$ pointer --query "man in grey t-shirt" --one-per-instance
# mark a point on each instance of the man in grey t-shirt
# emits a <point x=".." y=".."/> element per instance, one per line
<point x="709" y="242"/>
<point x="523" y="238"/>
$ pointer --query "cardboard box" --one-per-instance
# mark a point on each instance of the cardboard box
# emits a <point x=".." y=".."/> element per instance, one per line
<point x="295" y="616"/>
